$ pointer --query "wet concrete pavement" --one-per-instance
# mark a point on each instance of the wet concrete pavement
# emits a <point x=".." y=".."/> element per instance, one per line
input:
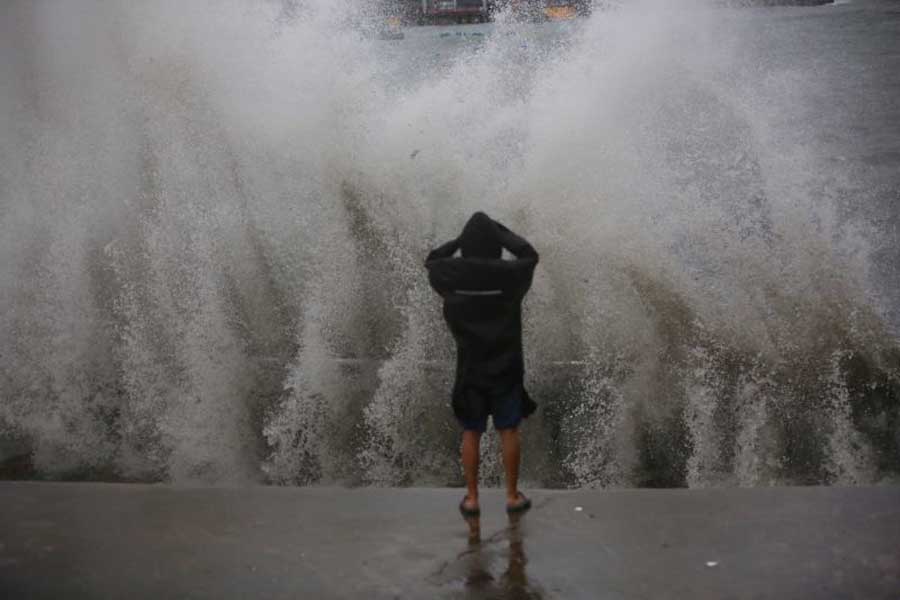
<point x="76" y="540"/>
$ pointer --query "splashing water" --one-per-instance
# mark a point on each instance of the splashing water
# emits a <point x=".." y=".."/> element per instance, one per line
<point x="213" y="219"/>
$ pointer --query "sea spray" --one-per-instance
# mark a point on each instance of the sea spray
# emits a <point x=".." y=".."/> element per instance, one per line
<point x="214" y="217"/>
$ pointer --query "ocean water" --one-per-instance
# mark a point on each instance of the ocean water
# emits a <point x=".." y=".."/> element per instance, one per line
<point x="213" y="219"/>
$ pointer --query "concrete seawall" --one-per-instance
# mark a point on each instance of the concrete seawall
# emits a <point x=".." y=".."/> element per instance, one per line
<point x="142" y="541"/>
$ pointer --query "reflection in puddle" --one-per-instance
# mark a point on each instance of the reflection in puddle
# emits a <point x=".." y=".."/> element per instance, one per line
<point x="482" y="560"/>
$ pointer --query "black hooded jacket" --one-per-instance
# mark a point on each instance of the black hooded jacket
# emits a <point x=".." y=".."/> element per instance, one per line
<point x="483" y="309"/>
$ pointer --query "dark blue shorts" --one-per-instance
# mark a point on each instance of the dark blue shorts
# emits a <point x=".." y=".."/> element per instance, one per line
<point x="505" y="410"/>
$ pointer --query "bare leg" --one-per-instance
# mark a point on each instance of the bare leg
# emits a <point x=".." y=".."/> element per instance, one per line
<point x="470" y="443"/>
<point x="509" y="439"/>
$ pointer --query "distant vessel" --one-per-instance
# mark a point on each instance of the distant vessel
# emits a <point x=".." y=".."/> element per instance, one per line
<point x="455" y="11"/>
<point x="423" y="12"/>
<point x="392" y="29"/>
<point x="549" y="10"/>
<point x="560" y="10"/>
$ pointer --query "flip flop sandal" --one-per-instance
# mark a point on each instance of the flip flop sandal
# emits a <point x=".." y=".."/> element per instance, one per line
<point x="521" y="506"/>
<point x="468" y="512"/>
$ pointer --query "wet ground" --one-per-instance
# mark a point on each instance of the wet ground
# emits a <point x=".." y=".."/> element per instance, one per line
<point x="77" y="540"/>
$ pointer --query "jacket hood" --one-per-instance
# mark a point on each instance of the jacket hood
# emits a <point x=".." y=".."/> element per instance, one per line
<point x="479" y="238"/>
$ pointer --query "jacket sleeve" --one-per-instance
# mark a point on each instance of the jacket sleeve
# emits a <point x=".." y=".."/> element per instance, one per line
<point x="442" y="269"/>
<point x="521" y="270"/>
<point x="443" y="251"/>
<point x="516" y="244"/>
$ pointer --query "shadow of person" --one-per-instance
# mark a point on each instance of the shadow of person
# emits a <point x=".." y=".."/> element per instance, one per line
<point x="513" y="583"/>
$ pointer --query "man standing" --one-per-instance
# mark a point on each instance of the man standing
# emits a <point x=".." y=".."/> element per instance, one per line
<point x="483" y="295"/>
